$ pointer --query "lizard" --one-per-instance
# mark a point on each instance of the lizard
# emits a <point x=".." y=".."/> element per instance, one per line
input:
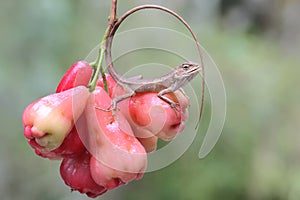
<point x="170" y="82"/>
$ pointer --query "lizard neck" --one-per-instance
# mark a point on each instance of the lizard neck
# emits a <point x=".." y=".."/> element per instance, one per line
<point x="169" y="77"/>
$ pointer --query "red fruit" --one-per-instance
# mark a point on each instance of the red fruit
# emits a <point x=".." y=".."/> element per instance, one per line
<point x="118" y="157"/>
<point x="50" y="119"/>
<point x="150" y="116"/>
<point x="109" y="177"/>
<point x="78" y="74"/>
<point x="75" y="171"/>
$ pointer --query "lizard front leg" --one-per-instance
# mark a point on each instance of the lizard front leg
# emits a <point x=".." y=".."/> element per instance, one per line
<point x="166" y="99"/>
<point x="116" y="100"/>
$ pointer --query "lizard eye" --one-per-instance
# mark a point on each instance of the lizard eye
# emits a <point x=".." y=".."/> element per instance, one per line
<point x="185" y="66"/>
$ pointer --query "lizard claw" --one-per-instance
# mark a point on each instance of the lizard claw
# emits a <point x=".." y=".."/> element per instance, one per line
<point x="112" y="109"/>
<point x="176" y="107"/>
<point x="103" y="109"/>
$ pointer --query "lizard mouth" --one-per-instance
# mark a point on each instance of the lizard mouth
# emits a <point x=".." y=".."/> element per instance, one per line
<point x="193" y="72"/>
<point x="196" y="70"/>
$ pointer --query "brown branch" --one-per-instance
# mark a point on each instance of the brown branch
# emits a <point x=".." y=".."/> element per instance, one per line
<point x="113" y="15"/>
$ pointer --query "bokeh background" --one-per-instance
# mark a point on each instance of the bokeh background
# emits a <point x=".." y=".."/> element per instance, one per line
<point x="255" y="44"/>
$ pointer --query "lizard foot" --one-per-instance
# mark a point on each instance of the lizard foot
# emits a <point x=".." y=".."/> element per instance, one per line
<point x="109" y="109"/>
<point x="176" y="107"/>
<point x="103" y="109"/>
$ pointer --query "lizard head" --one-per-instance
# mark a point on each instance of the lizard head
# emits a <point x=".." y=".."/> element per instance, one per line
<point x="186" y="72"/>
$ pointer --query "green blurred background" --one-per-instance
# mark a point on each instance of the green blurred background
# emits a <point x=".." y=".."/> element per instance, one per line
<point x="256" y="46"/>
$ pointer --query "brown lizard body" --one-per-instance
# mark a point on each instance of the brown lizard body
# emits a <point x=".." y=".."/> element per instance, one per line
<point x="170" y="82"/>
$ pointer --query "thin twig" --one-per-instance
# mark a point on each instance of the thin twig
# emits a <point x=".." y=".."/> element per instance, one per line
<point x="113" y="14"/>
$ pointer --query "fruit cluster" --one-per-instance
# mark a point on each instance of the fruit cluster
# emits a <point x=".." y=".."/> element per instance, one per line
<point x="99" y="151"/>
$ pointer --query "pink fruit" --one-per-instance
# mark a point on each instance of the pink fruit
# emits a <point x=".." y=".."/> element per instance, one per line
<point x="117" y="156"/>
<point x="149" y="143"/>
<point x="50" y="119"/>
<point x="150" y="116"/>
